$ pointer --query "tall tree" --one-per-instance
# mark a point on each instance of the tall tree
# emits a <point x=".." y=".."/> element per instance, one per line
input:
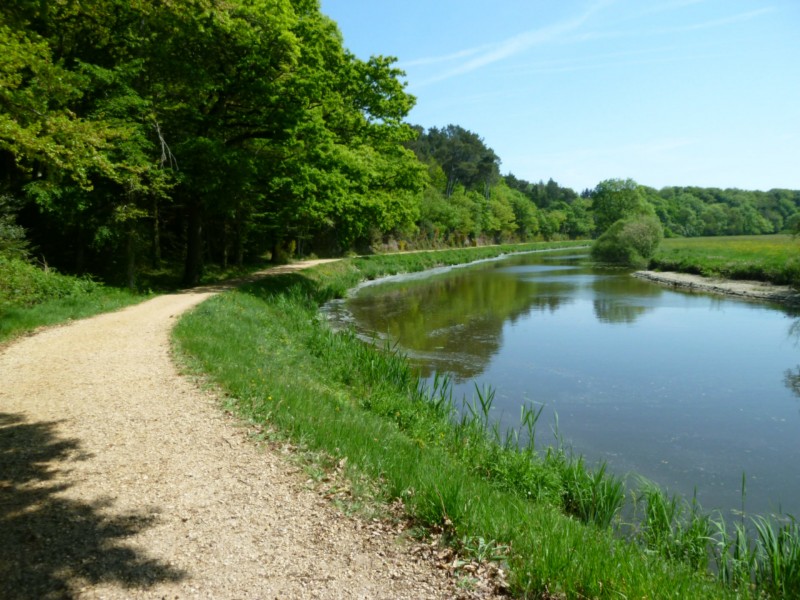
<point x="615" y="199"/>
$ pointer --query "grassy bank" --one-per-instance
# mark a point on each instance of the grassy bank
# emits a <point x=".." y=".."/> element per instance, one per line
<point x="542" y="513"/>
<point x="31" y="297"/>
<point x="772" y="258"/>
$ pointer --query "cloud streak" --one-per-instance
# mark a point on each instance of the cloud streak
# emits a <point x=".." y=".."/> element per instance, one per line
<point x="568" y="31"/>
<point x="485" y="55"/>
<point x="713" y="24"/>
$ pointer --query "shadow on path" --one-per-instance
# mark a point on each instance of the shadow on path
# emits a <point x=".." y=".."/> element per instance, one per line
<point x="52" y="546"/>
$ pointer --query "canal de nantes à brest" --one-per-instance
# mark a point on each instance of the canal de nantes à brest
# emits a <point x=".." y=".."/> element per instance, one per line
<point x="692" y="391"/>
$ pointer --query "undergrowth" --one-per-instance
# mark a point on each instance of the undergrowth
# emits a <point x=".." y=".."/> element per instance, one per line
<point x="32" y="297"/>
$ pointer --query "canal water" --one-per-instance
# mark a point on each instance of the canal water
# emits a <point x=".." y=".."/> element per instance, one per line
<point x="689" y="390"/>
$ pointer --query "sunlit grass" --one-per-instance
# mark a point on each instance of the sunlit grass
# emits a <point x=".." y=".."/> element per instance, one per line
<point x="772" y="258"/>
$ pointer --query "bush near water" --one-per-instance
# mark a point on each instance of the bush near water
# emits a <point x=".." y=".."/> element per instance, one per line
<point x="631" y="241"/>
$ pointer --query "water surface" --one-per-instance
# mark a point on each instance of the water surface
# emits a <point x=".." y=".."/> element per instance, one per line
<point x="687" y="389"/>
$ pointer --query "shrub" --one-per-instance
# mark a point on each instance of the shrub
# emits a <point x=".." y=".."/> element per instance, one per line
<point x="632" y="241"/>
<point x="23" y="284"/>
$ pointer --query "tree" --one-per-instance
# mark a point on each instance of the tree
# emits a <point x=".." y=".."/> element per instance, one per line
<point x="631" y="241"/>
<point x="615" y="199"/>
<point x="463" y="156"/>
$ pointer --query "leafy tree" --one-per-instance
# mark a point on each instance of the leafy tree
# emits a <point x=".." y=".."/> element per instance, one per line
<point x="579" y="223"/>
<point x="615" y="199"/>
<point x="463" y="156"/>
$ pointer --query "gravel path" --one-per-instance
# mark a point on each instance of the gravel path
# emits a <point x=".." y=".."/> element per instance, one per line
<point x="120" y="479"/>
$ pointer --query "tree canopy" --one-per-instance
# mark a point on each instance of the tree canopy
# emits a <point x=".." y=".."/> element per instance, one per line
<point x="195" y="131"/>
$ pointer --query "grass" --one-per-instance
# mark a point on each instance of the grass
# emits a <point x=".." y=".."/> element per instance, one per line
<point x="31" y="297"/>
<point x="541" y="512"/>
<point x="772" y="258"/>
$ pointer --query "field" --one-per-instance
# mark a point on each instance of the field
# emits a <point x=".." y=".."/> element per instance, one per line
<point x="772" y="258"/>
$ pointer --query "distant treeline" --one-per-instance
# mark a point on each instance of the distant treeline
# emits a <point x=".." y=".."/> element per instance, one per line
<point x="467" y="198"/>
<point x="138" y="135"/>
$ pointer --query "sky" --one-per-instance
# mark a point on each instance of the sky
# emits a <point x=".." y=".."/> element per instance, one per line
<point x="666" y="92"/>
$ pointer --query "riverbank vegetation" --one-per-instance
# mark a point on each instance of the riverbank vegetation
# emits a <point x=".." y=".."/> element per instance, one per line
<point x="554" y="522"/>
<point x="772" y="258"/>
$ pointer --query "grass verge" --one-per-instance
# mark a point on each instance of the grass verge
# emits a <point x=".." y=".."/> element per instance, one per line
<point x="31" y="297"/>
<point x="280" y="364"/>
<point x="771" y="258"/>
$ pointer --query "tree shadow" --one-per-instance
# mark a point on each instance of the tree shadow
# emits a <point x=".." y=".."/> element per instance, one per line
<point x="51" y="546"/>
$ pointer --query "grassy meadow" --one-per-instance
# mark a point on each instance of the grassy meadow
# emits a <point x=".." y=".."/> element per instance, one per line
<point x="772" y="258"/>
<point x="553" y="523"/>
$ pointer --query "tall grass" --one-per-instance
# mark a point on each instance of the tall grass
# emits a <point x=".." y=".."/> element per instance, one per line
<point x="759" y="554"/>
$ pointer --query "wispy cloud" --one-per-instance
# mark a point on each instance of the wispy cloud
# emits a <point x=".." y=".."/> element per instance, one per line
<point x="595" y="63"/>
<point x="432" y="60"/>
<point x="649" y="33"/>
<point x="741" y="17"/>
<point x="670" y="6"/>
<point x="485" y="55"/>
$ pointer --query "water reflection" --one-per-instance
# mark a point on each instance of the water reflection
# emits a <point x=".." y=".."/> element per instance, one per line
<point x="453" y="321"/>
<point x="791" y="378"/>
<point x="684" y="388"/>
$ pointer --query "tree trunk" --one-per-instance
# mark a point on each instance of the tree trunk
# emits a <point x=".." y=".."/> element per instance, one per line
<point x="156" y="236"/>
<point x="80" y="251"/>
<point x="239" y="242"/>
<point x="225" y="236"/>
<point x="194" y="238"/>
<point x="130" y="256"/>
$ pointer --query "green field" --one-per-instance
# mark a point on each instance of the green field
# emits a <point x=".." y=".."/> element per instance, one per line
<point x="772" y="258"/>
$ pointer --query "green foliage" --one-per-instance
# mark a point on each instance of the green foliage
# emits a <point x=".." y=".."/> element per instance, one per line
<point x="31" y="297"/>
<point x="779" y="565"/>
<point x="631" y="242"/>
<point x="462" y="155"/>
<point x="223" y="132"/>
<point x="594" y="497"/>
<point x="674" y="528"/>
<point x="13" y="243"/>
<point x="616" y="199"/>
<point x="24" y="285"/>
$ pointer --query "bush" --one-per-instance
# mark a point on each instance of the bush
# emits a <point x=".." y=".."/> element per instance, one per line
<point x="23" y="284"/>
<point x="632" y="241"/>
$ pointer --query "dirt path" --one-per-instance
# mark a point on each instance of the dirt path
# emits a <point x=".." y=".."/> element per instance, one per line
<point x="119" y="479"/>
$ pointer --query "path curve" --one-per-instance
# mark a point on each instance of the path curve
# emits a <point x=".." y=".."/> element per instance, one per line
<point x="120" y="479"/>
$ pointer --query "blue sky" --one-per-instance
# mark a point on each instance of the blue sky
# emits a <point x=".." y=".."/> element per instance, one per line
<point x="667" y="92"/>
